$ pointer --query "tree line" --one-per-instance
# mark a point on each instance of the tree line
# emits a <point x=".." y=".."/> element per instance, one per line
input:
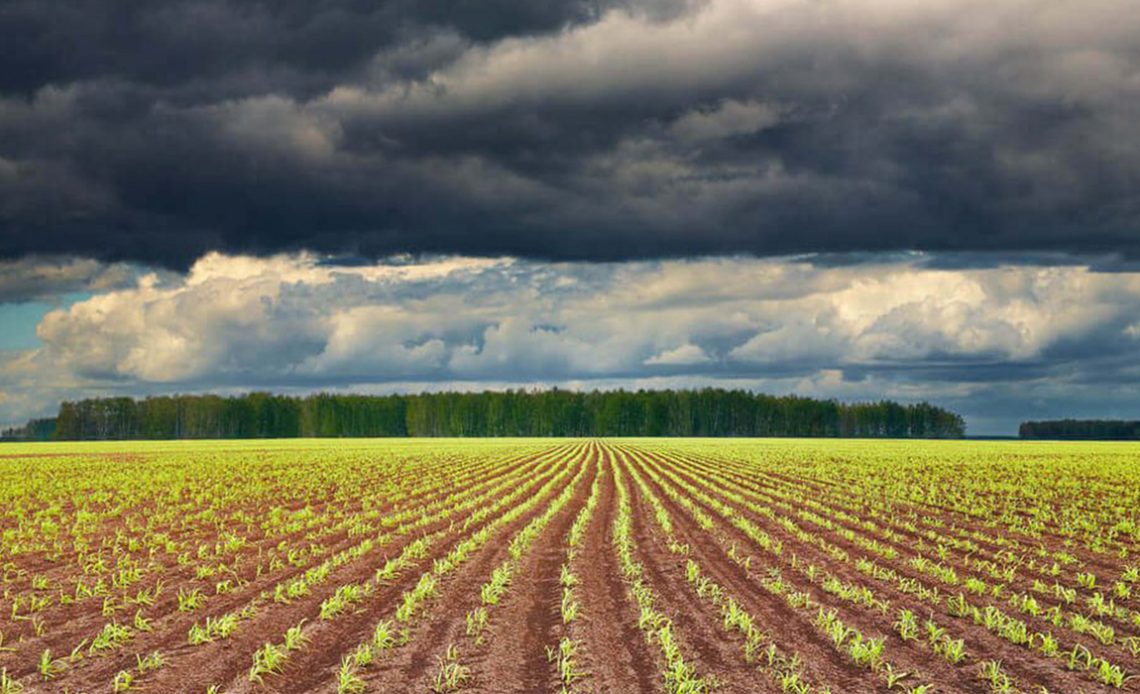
<point x="1086" y="429"/>
<point x="706" y="412"/>
<point x="34" y="430"/>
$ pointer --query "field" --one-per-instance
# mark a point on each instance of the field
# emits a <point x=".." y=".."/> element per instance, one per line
<point x="530" y="565"/>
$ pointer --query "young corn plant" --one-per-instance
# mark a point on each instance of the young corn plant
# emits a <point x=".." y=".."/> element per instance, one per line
<point x="295" y="637"/>
<point x="383" y="637"/>
<point x="907" y="625"/>
<point x="1112" y="675"/>
<point x="363" y="655"/>
<point x="866" y="653"/>
<point x="341" y="600"/>
<point x="563" y="658"/>
<point x="570" y="606"/>
<point x="9" y="685"/>
<point x="154" y="661"/>
<point x="493" y="590"/>
<point x="892" y="677"/>
<point x="49" y="667"/>
<point x="999" y="681"/>
<point x="190" y="600"/>
<point x="267" y="660"/>
<point x="122" y="682"/>
<point x="452" y="675"/>
<point x="477" y="623"/>
<point x="567" y="577"/>
<point x="347" y="679"/>
<point x="953" y="650"/>
<point x="112" y="636"/>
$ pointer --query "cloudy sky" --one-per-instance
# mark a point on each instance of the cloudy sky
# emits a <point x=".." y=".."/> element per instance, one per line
<point x="841" y="198"/>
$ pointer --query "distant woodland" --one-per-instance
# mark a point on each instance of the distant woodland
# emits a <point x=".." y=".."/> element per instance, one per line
<point x="708" y="412"/>
<point x="1081" y="429"/>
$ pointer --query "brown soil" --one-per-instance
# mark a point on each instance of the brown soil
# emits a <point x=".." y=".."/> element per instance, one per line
<point x="513" y="656"/>
<point x="314" y="666"/>
<point x="791" y="631"/>
<point x="66" y="625"/>
<point x="711" y="650"/>
<point x="1117" y="652"/>
<point x="1026" y="666"/>
<point x="613" y="653"/>
<point x="214" y="662"/>
<point x="962" y="525"/>
<point x="410" y="666"/>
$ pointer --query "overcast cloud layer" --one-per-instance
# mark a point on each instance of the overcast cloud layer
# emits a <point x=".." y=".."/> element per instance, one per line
<point x="156" y="131"/>
<point x="996" y="343"/>
<point x="843" y="198"/>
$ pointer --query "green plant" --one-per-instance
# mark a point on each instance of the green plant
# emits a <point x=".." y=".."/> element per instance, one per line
<point x="267" y="660"/>
<point x="451" y="674"/>
<point x="122" y="682"/>
<point x="893" y="677"/>
<point x="953" y="650"/>
<point x="907" y="625"/>
<point x="189" y="600"/>
<point x="569" y="607"/>
<point x="563" y="658"/>
<point x="112" y="636"/>
<point x="50" y="667"/>
<point x="382" y="638"/>
<point x="347" y="681"/>
<point x="1112" y="675"/>
<point x="477" y="623"/>
<point x="999" y="681"/>
<point x="9" y="685"/>
<point x="867" y="652"/>
<point x="153" y="661"/>
<point x="295" y="637"/>
<point x="493" y="590"/>
<point x="362" y="656"/>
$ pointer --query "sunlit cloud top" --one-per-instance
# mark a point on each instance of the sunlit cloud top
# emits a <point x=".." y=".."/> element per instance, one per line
<point x="969" y="337"/>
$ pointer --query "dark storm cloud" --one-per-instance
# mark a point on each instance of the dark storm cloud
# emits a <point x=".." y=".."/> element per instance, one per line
<point x="154" y="132"/>
<point x="292" y="44"/>
<point x="49" y="278"/>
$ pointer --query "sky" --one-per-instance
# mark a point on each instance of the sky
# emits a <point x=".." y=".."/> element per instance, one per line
<point x="857" y="199"/>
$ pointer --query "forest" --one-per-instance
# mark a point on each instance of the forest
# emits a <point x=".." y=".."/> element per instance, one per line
<point x="706" y="412"/>
<point x="1081" y="429"/>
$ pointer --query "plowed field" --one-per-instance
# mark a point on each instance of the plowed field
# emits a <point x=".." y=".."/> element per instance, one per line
<point x="567" y="565"/>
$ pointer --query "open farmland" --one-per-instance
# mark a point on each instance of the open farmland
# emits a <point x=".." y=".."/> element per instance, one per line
<point x="525" y="565"/>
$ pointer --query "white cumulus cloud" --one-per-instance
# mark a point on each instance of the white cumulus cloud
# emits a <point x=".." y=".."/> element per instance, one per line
<point x="298" y="322"/>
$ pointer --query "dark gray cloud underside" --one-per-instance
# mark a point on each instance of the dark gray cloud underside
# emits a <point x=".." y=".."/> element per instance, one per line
<point x="154" y="132"/>
<point x="297" y="45"/>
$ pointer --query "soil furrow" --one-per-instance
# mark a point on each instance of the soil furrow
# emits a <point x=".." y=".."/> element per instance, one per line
<point x="514" y="657"/>
<point x="166" y="619"/>
<point x="409" y="666"/>
<point x="791" y="629"/>
<point x="221" y="660"/>
<point x="1117" y="651"/>
<point x="981" y="643"/>
<point x="713" y="651"/>
<point x="614" y="654"/>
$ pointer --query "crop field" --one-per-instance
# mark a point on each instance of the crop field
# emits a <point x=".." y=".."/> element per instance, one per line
<point x="552" y="565"/>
